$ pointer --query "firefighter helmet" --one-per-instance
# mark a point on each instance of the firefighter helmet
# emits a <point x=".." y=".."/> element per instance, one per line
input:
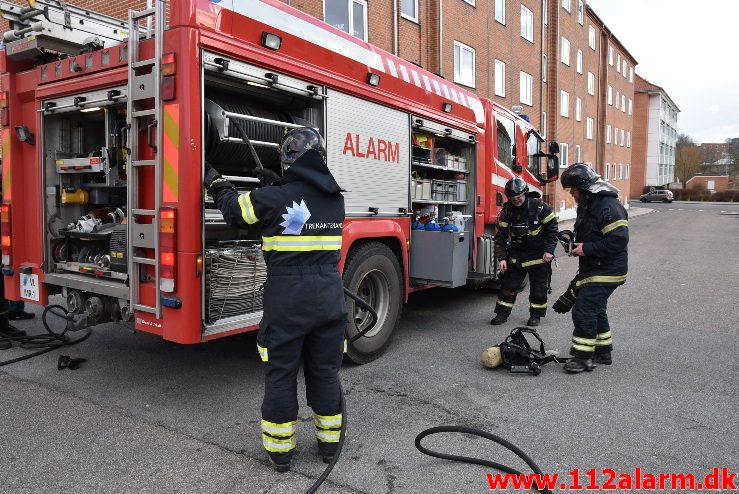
<point x="515" y="187"/>
<point x="580" y="176"/>
<point x="297" y="141"/>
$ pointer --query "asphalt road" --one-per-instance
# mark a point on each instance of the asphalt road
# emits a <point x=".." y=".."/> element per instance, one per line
<point x="143" y="415"/>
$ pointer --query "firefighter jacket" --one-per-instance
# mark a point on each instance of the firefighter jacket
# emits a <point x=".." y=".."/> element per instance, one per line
<point x="525" y="233"/>
<point x="300" y="218"/>
<point x="602" y="227"/>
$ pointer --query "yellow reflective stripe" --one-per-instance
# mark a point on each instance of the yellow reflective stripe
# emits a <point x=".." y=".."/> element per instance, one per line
<point x="274" y="445"/>
<point x="532" y="263"/>
<point x="301" y="243"/>
<point x="604" y="336"/>
<point x="539" y="306"/>
<point x="504" y="304"/>
<point x="533" y="233"/>
<point x="328" y="436"/>
<point x="549" y="218"/>
<point x="513" y="259"/>
<point x="247" y="209"/>
<point x="503" y="224"/>
<point x="602" y="279"/>
<point x="327" y="421"/>
<point x="612" y="226"/>
<point x="606" y="342"/>
<point x="263" y="353"/>
<point x="346" y="346"/>
<point x="583" y="348"/>
<point x="583" y="341"/>
<point x="286" y="429"/>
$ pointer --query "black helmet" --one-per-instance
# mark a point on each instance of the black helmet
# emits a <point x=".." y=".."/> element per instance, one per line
<point x="579" y="175"/>
<point x="515" y="187"/>
<point x="297" y="141"/>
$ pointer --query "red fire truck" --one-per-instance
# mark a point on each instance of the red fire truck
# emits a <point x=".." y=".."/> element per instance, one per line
<point x="106" y="126"/>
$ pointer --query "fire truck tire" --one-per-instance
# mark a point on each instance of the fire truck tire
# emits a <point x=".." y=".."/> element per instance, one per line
<point x="373" y="272"/>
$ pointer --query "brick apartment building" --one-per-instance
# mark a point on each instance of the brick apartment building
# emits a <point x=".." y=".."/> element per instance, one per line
<point x="555" y="59"/>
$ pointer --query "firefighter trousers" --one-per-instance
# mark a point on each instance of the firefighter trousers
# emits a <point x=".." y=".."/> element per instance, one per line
<point x="304" y="319"/>
<point x="538" y="287"/>
<point x="592" y="332"/>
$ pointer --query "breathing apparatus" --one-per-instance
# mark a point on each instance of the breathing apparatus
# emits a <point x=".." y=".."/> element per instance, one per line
<point x="517" y="355"/>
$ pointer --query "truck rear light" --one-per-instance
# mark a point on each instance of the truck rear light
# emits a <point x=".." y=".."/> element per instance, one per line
<point x="168" y="65"/>
<point x="167" y="248"/>
<point x="4" y="117"/>
<point x="3" y="99"/>
<point x="6" y="234"/>
<point x="168" y="88"/>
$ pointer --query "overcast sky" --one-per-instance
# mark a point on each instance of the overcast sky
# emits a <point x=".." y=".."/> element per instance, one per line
<point x="688" y="48"/>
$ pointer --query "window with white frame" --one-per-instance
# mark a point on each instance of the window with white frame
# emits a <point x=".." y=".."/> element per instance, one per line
<point x="544" y="67"/>
<point x="348" y="15"/>
<point x="500" y="11"/>
<point x="527" y="24"/>
<point x="628" y="141"/>
<point x="620" y="171"/>
<point x="545" y="8"/>
<point x="618" y="99"/>
<point x="591" y="83"/>
<point x="591" y="37"/>
<point x="577" y="153"/>
<point x="565" y="51"/>
<point x="589" y="129"/>
<point x="624" y="69"/>
<point x="543" y="128"/>
<point x="580" y="12"/>
<point x="631" y="75"/>
<point x="578" y="109"/>
<point x="464" y="64"/>
<point x="564" y="103"/>
<point x="623" y="140"/>
<point x="409" y="9"/>
<point x="628" y="168"/>
<point x="623" y="103"/>
<point x="564" y="161"/>
<point x="609" y="95"/>
<point x="499" y="78"/>
<point x="618" y="62"/>
<point x="606" y="172"/>
<point x="567" y="5"/>
<point x="578" y="61"/>
<point x="610" y="56"/>
<point x="631" y="106"/>
<point x="608" y="134"/>
<point x="526" y="88"/>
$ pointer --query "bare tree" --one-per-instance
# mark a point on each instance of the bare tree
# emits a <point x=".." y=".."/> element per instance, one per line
<point x="688" y="158"/>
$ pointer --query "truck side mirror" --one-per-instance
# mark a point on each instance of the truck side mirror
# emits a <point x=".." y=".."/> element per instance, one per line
<point x="552" y="173"/>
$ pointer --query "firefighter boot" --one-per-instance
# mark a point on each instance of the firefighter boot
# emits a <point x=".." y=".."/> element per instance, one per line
<point x="11" y="331"/>
<point x="602" y="358"/>
<point x="279" y="467"/>
<point x="577" y="365"/>
<point x="499" y="318"/>
<point x="533" y="321"/>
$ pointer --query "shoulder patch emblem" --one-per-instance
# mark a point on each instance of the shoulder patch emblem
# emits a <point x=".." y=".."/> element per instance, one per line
<point x="295" y="218"/>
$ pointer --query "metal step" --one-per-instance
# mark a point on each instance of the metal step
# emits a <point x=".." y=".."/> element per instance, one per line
<point x="145" y="260"/>
<point x="143" y="163"/>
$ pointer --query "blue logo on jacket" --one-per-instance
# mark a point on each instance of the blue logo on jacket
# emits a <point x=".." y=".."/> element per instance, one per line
<point x="295" y="218"/>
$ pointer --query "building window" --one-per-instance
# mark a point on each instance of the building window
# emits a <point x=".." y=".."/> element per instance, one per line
<point x="527" y="24"/>
<point x="610" y="56"/>
<point x="623" y="103"/>
<point x="615" y="136"/>
<point x="500" y="11"/>
<point x="606" y="171"/>
<point x="609" y="95"/>
<point x="631" y="106"/>
<point x="628" y="167"/>
<point x="620" y="171"/>
<point x="591" y="37"/>
<point x="608" y="134"/>
<point x="499" y="78"/>
<point x="591" y="83"/>
<point x="618" y="98"/>
<point x="628" y="141"/>
<point x="526" y="88"/>
<point x="631" y="75"/>
<point x="577" y="153"/>
<point x="563" y="158"/>
<point x="565" y="51"/>
<point x="545" y="8"/>
<point x="618" y="62"/>
<point x="589" y="130"/>
<point x="464" y="64"/>
<point x="564" y="103"/>
<point x="567" y="5"/>
<point x="578" y="61"/>
<point x="348" y="15"/>
<point x="578" y="109"/>
<point x="622" y="138"/>
<point x="543" y="129"/>
<point x="409" y="9"/>
<point x="544" y="67"/>
<point x="624" y="69"/>
<point x="580" y="13"/>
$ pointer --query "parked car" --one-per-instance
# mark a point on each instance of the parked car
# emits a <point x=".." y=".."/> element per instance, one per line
<point x="657" y="195"/>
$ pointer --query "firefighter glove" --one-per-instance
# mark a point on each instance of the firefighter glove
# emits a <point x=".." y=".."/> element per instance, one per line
<point x="211" y="175"/>
<point x="266" y="176"/>
<point x="565" y="302"/>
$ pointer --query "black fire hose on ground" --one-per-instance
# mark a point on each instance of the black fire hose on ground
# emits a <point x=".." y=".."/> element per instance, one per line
<point x="320" y="480"/>
<point x="47" y="342"/>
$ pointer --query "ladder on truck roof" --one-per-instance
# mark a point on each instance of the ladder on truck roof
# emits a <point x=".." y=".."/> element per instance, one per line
<point x="53" y="27"/>
<point x="144" y="84"/>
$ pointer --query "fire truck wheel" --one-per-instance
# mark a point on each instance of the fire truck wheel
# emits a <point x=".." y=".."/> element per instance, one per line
<point x="373" y="272"/>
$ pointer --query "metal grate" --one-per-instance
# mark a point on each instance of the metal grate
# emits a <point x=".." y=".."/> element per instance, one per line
<point x="234" y="277"/>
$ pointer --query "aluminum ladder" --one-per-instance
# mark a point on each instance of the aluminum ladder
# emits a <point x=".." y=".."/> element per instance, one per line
<point x="143" y="224"/>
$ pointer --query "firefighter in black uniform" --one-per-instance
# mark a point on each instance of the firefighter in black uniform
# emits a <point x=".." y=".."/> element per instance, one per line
<point x="524" y="243"/>
<point x="300" y="218"/>
<point x="601" y="239"/>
